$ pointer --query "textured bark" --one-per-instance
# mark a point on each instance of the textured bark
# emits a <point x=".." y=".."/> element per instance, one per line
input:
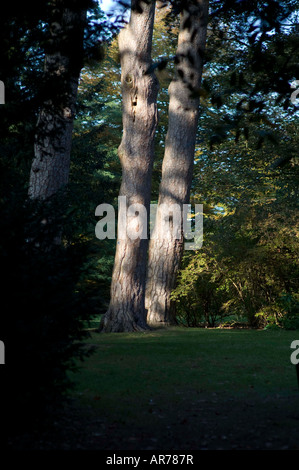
<point x="63" y="62"/>
<point x="165" y="254"/>
<point x="136" y="152"/>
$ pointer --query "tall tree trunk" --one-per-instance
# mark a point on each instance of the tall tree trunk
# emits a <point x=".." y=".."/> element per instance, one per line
<point x="63" y="62"/>
<point x="165" y="253"/>
<point x="136" y="152"/>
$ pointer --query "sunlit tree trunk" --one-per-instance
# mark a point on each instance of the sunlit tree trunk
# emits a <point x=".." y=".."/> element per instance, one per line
<point x="63" y="62"/>
<point x="136" y="152"/>
<point x="165" y="253"/>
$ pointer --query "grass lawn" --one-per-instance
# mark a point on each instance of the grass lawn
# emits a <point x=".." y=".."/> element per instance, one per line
<point x="181" y="388"/>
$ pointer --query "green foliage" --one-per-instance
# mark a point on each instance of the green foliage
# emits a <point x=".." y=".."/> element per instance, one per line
<point x="250" y="63"/>
<point x="289" y="304"/>
<point x="200" y="295"/>
<point x="246" y="173"/>
<point x="248" y="265"/>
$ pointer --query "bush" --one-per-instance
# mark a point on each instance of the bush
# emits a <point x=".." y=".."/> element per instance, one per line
<point x="290" y="306"/>
<point x="42" y="312"/>
<point x="200" y="297"/>
<point x="284" y="313"/>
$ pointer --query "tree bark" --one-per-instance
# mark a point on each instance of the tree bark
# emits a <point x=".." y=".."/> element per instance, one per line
<point x="165" y="253"/>
<point x="63" y="62"/>
<point x="136" y="152"/>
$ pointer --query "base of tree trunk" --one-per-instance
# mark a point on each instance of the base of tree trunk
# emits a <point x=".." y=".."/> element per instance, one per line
<point x="158" y="323"/>
<point x="155" y="319"/>
<point x="110" y="324"/>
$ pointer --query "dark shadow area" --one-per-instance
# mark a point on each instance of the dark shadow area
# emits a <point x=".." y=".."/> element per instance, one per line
<point x="179" y="389"/>
<point x="42" y="312"/>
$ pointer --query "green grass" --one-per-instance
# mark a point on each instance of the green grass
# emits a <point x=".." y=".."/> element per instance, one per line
<point x="130" y="372"/>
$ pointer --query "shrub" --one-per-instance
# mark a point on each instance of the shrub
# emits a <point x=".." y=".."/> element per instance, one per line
<point x="42" y="311"/>
<point x="290" y="306"/>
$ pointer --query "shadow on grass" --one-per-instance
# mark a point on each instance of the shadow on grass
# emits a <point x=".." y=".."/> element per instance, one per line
<point x="182" y="389"/>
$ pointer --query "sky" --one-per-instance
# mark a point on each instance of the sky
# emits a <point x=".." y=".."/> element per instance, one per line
<point x="106" y="5"/>
<point x="109" y="5"/>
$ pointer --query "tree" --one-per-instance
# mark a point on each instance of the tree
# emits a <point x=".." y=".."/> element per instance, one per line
<point x="42" y="327"/>
<point x="136" y="152"/>
<point x="255" y="22"/>
<point x="63" y="62"/>
<point x="165" y="255"/>
<point x="127" y="307"/>
<point x="255" y="32"/>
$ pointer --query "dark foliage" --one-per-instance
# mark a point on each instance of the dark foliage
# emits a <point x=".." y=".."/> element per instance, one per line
<point x="43" y="311"/>
<point x="42" y="314"/>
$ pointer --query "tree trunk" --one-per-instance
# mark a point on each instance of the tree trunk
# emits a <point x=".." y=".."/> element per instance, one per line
<point x="63" y="62"/>
<point x="136" y="152"/>
<point x="165" y="253"/>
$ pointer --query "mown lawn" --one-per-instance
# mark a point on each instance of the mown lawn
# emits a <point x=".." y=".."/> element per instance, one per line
<point x="182" y="388"/>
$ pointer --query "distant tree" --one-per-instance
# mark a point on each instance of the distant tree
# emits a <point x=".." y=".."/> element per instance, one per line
<point x="63" y="62"/>
<point x="42" y="327"/>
